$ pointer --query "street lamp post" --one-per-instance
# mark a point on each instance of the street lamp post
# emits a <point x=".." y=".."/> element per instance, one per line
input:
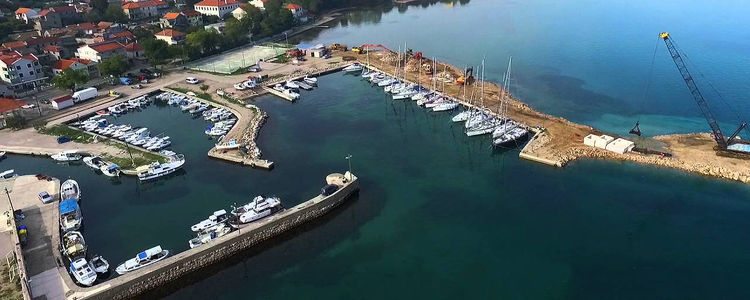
<point x="349" y="160"/>
<point x="286" y="38"/>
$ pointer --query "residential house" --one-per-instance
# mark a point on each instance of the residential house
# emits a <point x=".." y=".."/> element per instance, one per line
<point x="20" y="72"/>
<point x="171" y="36"/>
<point x="174" y="20"/>
<point x="47" y="19"/>
<point x="124" y="37"/>
<point x="195" y="19"/>
<point x="239" y="13"/>
<point x="68" y="14"/>
<point x="297" y="11"/>
<point x="8" y="106"/>
<point x="144" y="9"/>
<point x="219" y="8"/>
<point x="26" y="14"/>
<point x="38" y="44"/>
<point x="260" y="4"/>
<point x="15" y="47"/>
<point x="135" y="51"/>
<point x="76" y="64"/>
<point x="97" y="52"/>
<point x="55" y="52"/>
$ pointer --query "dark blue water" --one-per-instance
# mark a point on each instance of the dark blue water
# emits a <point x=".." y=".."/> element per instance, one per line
<point x="588" y="61"/>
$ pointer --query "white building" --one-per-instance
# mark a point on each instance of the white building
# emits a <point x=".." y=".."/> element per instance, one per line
<point x="609" y="143"/>
<point x="218" y="8"/>
<point x="20" y="72"/>
<point x="239" y="13"/>
<point x="260" y="4"/>
<point x="97" y="52"/>
<point x="62" y="102"/>
<point x="26" y="14"/>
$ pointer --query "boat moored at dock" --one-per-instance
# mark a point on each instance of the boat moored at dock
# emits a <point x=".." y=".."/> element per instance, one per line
<point x="143" y="259"/>
<point x="260" y="207"/>
<point x="156" y="170"/>
<point x="83" y="271"/>
<point x="67" y="155"/>
<point x="70" y="189"/>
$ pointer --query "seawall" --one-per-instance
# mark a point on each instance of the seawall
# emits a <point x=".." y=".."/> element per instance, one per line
<point x="174" y="267"/>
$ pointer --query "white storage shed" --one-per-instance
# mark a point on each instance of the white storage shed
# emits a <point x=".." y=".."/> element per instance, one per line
<point x="620" y="146"/>
<point x="603" y="141"/>
<point x="62" y="102"/>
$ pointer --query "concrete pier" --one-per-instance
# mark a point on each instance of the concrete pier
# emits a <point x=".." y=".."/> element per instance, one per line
<point x="175" y="267"/>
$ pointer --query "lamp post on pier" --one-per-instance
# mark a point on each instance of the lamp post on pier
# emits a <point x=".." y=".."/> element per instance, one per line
<point x="349" y="160"/>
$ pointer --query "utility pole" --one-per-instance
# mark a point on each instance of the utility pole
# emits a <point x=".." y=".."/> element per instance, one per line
<point x="37" y="105"/>
<point x="12" y="210"/>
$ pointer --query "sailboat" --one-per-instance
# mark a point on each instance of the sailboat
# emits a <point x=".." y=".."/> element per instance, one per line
<point x="510" y="131"/>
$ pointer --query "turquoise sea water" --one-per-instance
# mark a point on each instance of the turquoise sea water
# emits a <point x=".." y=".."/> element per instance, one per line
<point x="441" y="215"/>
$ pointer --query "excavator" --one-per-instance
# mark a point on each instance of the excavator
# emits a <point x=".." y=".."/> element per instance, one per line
<point x="723" y="143"/>
<point x="363" y="49"/>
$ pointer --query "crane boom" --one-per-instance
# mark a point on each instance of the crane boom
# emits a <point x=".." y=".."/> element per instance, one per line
<point x="697" y="96"/>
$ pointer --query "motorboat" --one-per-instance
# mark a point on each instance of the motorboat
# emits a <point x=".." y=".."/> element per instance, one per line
<point x="249" y="84"/>
<point x="218" y="217"/>
<point x="2" y="155"/>
<point x="215" y="131"/>
<point x="232" y="144"/>
<point x="310" y="80"/>
<point x="143" y="259"/>
<point x="292" y="85"/>
<point x="355" y="67"/>
<point x="239" y="86"/>
<point x="260" y="207"/>
<point x="73" y="245"/>
<point x="94" y="162"/>
<point x="385" y="82"/>
<point x="67" y="155"/>
<point x="83" y="272"/>
<point x="70" y="215"/>
<point x="112" y="170"/>
<point x="485" y="127"/>
<point x="209" y="235"/>
<point x="69" y="189"/>
<point x="291" y="93"/>
<point x="161" y="144"/>
<point x="101" y="265"/>
<point x="8" y="174"/>
<point x="141" y="133"/>
<point x="157" y="169"/>
<point x="303" y="85"/>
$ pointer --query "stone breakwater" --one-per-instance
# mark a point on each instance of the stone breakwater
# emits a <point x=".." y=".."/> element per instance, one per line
<point x="133" y="284"/>
<point x="250" y="136"/>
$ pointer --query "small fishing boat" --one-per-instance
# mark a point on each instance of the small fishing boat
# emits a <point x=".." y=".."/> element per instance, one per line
<point x="218" y="217"/>
<point x="70" y="215"/>
<point x="94" y="162"/>
<point x="292" y="85"/>
<point x="239" y="86"/>
<point x="73" y="245"/>
<point x="303" y="85"/>
<point x="83" y="272"/>
<point x="232" y="144"/>
<point x="209" y="235"/>
<point x="101" y="265"/>
<point x="2" y="154"/>
<point x="8" y="174"/>
<point x="67" y="155"/>
<point x="260" y="207"/>
<point x="69" y="189"/>
<point x="112" y="170"/>
<point x="249" y="84"/>
<point x="156" y="169"/>
<point x="102" y="112"/>
<point x="143" y="259"/>
<point x="215" y="131"/>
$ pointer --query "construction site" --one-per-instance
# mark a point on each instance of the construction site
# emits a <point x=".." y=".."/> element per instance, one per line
<point x="557" y="141"/>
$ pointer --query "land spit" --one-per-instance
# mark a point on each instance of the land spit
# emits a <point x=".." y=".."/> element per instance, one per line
<point x="557" y="141"/>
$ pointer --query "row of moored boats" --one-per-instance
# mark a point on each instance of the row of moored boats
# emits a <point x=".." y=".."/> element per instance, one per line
<point x="133" y="135"/>
<point x="291" y="88"/>
<point x="477" y="120"/>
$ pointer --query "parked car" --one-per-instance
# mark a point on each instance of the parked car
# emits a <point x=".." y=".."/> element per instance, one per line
<point x="192" y="80"/>
<point x="29" y="106"/>
<point x="45" y="197"/>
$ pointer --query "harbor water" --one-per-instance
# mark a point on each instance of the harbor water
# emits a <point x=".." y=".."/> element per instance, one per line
<point x="441" y="215"/>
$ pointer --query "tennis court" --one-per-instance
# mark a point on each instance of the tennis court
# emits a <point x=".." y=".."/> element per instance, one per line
<point x="227" y="63"/>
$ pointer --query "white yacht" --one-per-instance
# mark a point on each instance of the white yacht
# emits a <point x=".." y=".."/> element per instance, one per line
<point x="94" y="162"/>
<point x="218" y="217"/>
<point x="67" y="155"/>
<point x="355" y="67"/>
<point x="69" y="189"/>
<point x="209" y="235"/>
<point x="257" y="209"/>
<point x="462" y="116"/>
<point x="83" y="272"/>
<point x="70" y="215"/>
<point x="156" y="169"/>
<point x="143" y="259"/>
<point x="112" y="170"/>
<point x="310" y="80"/>
<point x="446" y="106"/>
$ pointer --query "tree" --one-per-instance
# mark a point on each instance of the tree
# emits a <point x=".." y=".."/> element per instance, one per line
<point x="115" y="14"/>
<point x="113" y="65"/>
<point x="236" y="31"/>
<point x="93" y="16"/>
<point x="207" y="41"/>
<point x="100" y="5"/>
<point x="69" y="79"/>
<point x="157" y="51"/>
